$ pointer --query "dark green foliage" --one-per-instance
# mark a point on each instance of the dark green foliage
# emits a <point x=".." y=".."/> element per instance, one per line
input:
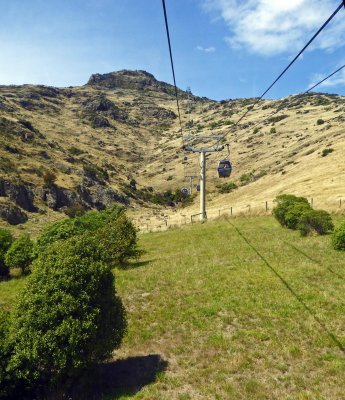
<point x="285" y="201"/>
<point x="227" y="187"/>
<point x="167" y="198"/>
<point x="118" y="241"/>
<point x="6" y="240"/>
<point x="277" y="118"/>
<point x="20" y="254"/>
<point x="74" y="151"/>
<point x="320" y="121"/>
<point x="64" y="229"/>
<point x="246" y="178"/>
<point x="68" y="316"/>
<point x="327" y="151"/>
<point x="76" y="210"/>
<point x="5" y="381"/>
<point x="294" y="213"/>
<point x="273" y="130"/>
<point x="338" y="238"/>
<point x="318" y="221"/>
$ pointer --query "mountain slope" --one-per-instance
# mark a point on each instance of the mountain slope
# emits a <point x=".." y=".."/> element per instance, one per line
<point x="119" y="133"/>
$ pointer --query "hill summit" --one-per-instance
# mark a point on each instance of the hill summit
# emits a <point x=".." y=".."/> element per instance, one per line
<point x="117" y="139"/>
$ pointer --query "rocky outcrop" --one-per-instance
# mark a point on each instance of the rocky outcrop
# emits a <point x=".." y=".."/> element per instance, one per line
<point x="22" y="129"/>
<point x="56" y="197"/>
<point x="133" y="80"/>
<point x="100" y="197"/>
<point x="91" y="196"/>
<point x="99" y="108"/>
<point x="20" y="194"/>
<point x="12" y="214"/>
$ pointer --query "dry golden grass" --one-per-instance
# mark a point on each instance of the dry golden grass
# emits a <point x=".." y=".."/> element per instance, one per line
<point x="288" y="161"/>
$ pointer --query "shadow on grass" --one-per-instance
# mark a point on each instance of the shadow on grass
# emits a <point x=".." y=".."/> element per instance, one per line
<point x="135" y="264"/>
<point x="120" y="378"/>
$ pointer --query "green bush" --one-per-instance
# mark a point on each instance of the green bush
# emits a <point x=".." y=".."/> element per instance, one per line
<point x="284" y="201"/>
<point x="338" y="237"/>
<point x="118" y="241"/>
<point x="20" y="254"/>
<point x="246" y="178"/>
<point x="327" y="151"/>
<point x="75" y="210"/>
<point x="227" y="187"/>
<point x="6" y="240"/>
<point x="318" y="221"/>
<point x="320" y="121"/>
<point x="294" y="213"/>
<point x="273" y="130"/>
<point x="64" y="229"/>
<point x="68" y="316"/>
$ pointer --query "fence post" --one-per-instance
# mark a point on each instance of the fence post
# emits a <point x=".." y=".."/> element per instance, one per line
<point x="230" y="210"/>
<point x="311" y="202"/>
<point x="340" y="203"/>
<point x="266" y="206"/>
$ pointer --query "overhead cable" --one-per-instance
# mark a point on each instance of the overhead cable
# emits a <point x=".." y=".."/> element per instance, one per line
<point x="290" y="64"/>
<point x="285" y="104"/>
<point x="172" y="64"/>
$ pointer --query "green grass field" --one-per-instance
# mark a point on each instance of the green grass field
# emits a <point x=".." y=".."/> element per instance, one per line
<point x="233" y="309"/>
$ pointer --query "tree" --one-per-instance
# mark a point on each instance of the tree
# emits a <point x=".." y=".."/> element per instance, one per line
<point x="68" y="316"/>
<point x="6" y="240"/>
<point x="20" y="254"/>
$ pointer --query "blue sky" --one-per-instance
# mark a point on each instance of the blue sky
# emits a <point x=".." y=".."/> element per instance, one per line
<point x="222" y="48"/>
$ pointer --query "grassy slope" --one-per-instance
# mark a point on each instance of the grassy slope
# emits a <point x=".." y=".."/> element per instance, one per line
<point x="225" y="323"/>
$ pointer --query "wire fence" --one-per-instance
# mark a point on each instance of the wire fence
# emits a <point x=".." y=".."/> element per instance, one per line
<point x="161" y="221"/>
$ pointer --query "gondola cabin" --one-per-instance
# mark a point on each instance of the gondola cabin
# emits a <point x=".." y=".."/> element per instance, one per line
<point x="224" y="168"/>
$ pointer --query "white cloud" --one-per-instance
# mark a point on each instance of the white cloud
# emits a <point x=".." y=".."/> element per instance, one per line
<point x="210" y="49"/>
<point x="274" y="26"/>
<point x="336" y="80"/>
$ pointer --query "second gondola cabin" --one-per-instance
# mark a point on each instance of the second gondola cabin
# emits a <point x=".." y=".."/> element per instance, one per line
<point x="224" y="168"/>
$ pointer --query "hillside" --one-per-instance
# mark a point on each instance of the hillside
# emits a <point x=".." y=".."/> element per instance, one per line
<point x="234" y="309"/>
<point x="117" y="138"/>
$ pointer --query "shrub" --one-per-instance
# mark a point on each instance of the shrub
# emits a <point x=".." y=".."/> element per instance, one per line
<point x="64" y="229"/>
<point x="20" y="254"/>
<point x="75" y="151"/>
<point x="294" y="213"/>
<point x="273" y="130"/>
<point x="327" y="151"/>
<point x="245" y="178"/>
<point x="6" y="240"/>
<point x="75" y="210"/>
<point x="318" y="221"/>
<point x="320" y="121"/>
<point x="68" y="316"/>
<point x="49" y="178"/>
<point x="227" y="187"/>
<point x="284" y="201"/>
<point x="118" y="241"/>
<point x="338" y="237"/>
